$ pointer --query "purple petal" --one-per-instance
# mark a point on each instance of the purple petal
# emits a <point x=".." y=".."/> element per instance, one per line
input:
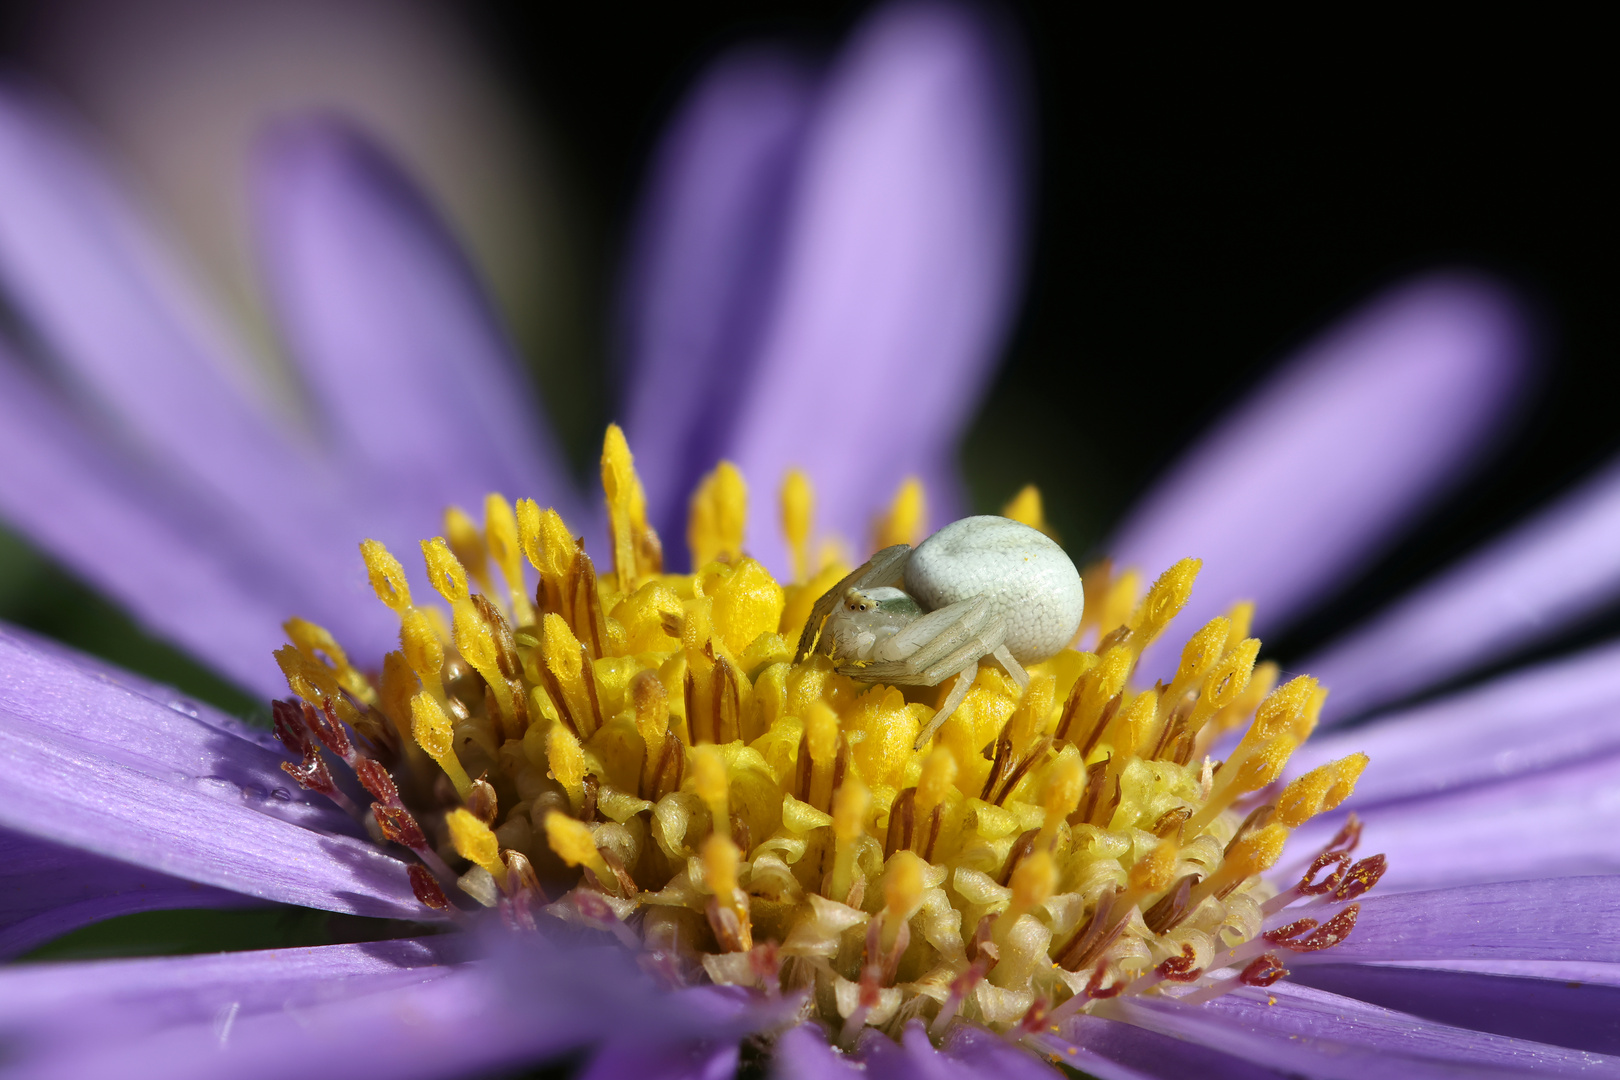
<point x="703" y="264"/>
<point x="1542" y="1010"/>
<point x="1335" y="455"/>
<point x="1549" y="919"/>
<point x="1553" y="823"/>
<point x="900" y="267"/>
<point x="1112" y="1050"/>
<point x="1299" y="1030"/>
<point x="803" y="1053"/>
<point x="99" y="291"/>
<point x="416" y="383"/>
<point x="1568" y="971"/>
<point x="1535" y="719"/>
<point x="47" y="889"/>
<point x="93" y="766"/>
<point x="1555" y="568"/>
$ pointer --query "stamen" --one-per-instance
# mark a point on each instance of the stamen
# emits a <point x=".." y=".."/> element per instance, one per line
<point x="798" y="511"/>
<point x="903" y="522"/>
<point x="718" y="518"/>
<point x="431" y="729"/>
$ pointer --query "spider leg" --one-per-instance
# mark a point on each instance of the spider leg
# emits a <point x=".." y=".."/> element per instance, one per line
<point x="958" y="692"/>
<point x="960" y="630"/>
<point x="1011" y="666"/>
<point x="886" y="568"/>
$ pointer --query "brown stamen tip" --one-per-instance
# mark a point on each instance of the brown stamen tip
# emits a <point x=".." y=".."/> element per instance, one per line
<point x="1183" y="968"/>
<point x="1309" y="886"/>
<point x="312" y="773"/>
<point x="1329" y="933"/>
<point x="289" y="726"/>
<point x="481" y="802"/>
<point x="399" y="826"/>
<point x="377" y="781"/>
<point x="1284" y="934"/>
<point x="427" y="889"/>
<point x="1263" y="971"/>
<point x="1361" y="877"/>
<point x="329" y="729"/>
<point x="1170" y="910"/>
<point x="1348" y="837"/>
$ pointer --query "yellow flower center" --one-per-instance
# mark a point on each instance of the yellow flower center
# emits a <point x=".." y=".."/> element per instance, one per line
<point x="640" y="753"/>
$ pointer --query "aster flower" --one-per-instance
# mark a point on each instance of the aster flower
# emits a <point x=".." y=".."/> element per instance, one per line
<point x="117" y="792"/>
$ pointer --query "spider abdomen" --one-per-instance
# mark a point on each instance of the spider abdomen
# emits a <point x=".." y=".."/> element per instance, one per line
<point x="1032" y="583"/>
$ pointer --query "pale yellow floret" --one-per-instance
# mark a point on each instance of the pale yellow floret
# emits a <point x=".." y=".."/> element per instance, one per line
<point x="567" y="759"/>
<point x="619" y="484"/>
<point x="710" y="783"/>
<point x="905" y="520"/>
<point x="798" y="512"/>
<point x="466" y="542"/>
<point x="433" y="733"/>
<point x="505" y="550"/>
<point x="387" y="576"/>
<point x="314" y="641"/>
<point x="573" y="843"/>
<point x="719" y="514"/>
<point x="474" y="841"/>
<point x="1026" y="507"/>
<point x="851" y="804"/>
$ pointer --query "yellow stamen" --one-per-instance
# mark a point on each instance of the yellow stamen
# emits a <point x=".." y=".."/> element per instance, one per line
<point x="1033" y="882"/>
<point x="904" y="520"/>
<point x="710" y="783"/>
<point x="567" y="760"/>
<point x="1067" y="782"/>
<point x="1167" y="597"/>
<point x="433" y="733"/>
<point x="313" y="640"/>
<point x="902" y="893"/>
<point x="445" y="572"/>
<point x="718" y="517"/>
<point x="938" y="774"/>
<point x="571" y="839"/>
<point x="720" y="861"/>
<point x="387" y="576"/>
<point x="423" y="649"/>
<point x="850" y="806"/>
<point x="474" y="841"/>
<point x="467" y="544"/>
<point x="1026" y="507"/>
<point x="619" y="484"/>
<point x="505" y="550"/>
<point x="798" y="510"/>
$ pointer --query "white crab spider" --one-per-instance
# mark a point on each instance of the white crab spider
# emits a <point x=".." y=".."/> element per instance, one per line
<point x="980" y="587"/>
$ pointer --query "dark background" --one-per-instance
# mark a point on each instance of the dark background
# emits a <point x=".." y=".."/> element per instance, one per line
<point x="1209" y="194"/>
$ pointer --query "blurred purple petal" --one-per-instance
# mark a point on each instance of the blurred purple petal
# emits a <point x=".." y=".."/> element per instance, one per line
<point x="114" y="310"/>
<point x="1569" y="971"/>
<point x="1549" y="919"/>
<point x="140" y="540"/>
<point x="702" y="267"/>
<point x="1562" y="711"/>
<point x="899" y="273"/>
<point x="1112" y="1050"/>
<point x="1534" y="825"/>
<point x="803" y="1053"/>
<point x="1523" y="587"/>
<point x="47" y="889"/>
<point x="93" y="766"/>
<point x="417" y="384"/>
<point x="1307" y="1032"/>
<point x="1541" y="1010"/>
<point x="1333" y="457"/>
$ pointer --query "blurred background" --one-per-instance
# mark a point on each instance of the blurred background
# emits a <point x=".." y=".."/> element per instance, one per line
<point x="1209" y="193"/>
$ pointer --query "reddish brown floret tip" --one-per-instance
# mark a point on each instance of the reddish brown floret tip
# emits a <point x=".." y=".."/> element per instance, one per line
<point x="376" y="780"/>
<point x="1329" y="933"/>
<point x="289" y="726"/>
<point x="329" y="729"/>
<point x="399" y="826"/>
<point x="311" y="773"/>
<point x="1338" y="860"/>
<point x="427" y="889"/>
<point x="1361" y="877"/>
<point x="1284" y="934"/>
<point x="1263" y="971"/>
<point x="1183" y="968"/>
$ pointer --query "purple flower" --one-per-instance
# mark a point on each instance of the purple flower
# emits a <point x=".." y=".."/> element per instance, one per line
<point x="814" y="242"/>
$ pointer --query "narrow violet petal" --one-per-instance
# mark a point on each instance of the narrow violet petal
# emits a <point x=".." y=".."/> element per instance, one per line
<point x="93" y="766"/>
<point x="39" y="1002"/>
<point x="899" y="270"/>
<point x="1556" y="823"/>
<point x="1556" y="712"/>
<point x="1568" y="971"/>
<point x="1332" y="458"/>
<point x="705" y="249"/>
<point x="1306" y="1032"/>
<point x="1523" y="587"/>
<point x="804" y="1053"/>
<point x="47" y="890"/>
<point x="663" y="1062"/>
<point x="96" y="288"/>
<point x="1548" y="919"/>
<point x="984" y="1053"/>
<point x="140" y="540"/>
<point x="1112" y="1050"/>
<point x="1582" y="1017"/>
<point x="418" y="386"/>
